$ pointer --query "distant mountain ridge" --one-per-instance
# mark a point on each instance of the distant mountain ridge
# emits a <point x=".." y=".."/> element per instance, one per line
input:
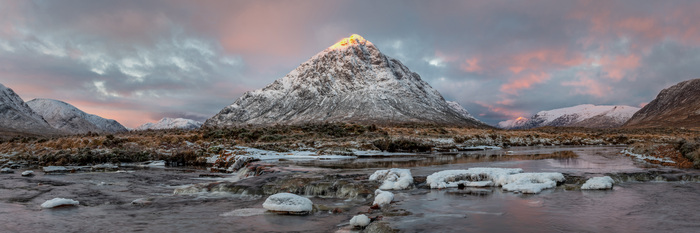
<point x="351" y="81"/>
<point x="171" y="123"/>
<point x="585" y="115"/>
<point x="676" y="106"/>
<point x="17" y="117"/>
<point x="71" y="120"/>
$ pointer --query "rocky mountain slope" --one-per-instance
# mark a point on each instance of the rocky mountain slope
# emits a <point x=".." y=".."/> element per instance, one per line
<point x="351" y="81"/>
<point x="18" y="118"/>
<point x="676" y="106"/>
<point x="69" y="119"/>
<point x="171" y="123"/>
<point x="585" y="115"/>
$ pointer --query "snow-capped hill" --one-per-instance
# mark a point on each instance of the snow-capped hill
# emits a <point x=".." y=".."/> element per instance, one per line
<point x="17" y="117"/>
<point x="514" y="123"/>
<point x="69" y="119"/>
<point x="172" y="123"/>
<point x="585" y="115"/>
<point x="351" y="81"/>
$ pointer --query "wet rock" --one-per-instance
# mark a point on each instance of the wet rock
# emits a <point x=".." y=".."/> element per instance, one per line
<point x="306" y="184"/>
<point x="379" y="227"/>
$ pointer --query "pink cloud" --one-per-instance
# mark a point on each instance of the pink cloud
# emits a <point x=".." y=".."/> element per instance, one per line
<point x="471" y="65"/>
<point x="524" y="82"/>
<point x="617" y="67"/>
<point x="588" y="86"/>
<point x="502" y="111"/>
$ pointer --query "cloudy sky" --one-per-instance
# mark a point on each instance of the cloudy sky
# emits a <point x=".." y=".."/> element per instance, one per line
<point x="138" y="61"/>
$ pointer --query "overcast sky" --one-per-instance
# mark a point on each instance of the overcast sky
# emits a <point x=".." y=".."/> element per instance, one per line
<point x="138" y="61"/>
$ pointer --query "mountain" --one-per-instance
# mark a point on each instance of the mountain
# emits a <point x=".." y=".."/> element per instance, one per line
<point x="71" y="120"/>
<point x="459" y="109"/>
<point x="676" y="106"/>
<point x="585" y="115"/>
<point x="171" y="123"/>
<point x="18" y="118"/>
<point x="351" y="81"/>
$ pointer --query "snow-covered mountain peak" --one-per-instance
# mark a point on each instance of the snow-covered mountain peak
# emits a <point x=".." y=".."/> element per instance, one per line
<point x="68" y="118"/>
<point x="585" y="115"/>
<point x="354" y="39"/>
<point x="171" y="123"/>
<point x="17" y="117"/>
<point x="351" y="81"/>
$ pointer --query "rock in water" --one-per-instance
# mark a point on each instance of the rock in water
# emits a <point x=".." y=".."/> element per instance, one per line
<point x="18" y="118"/>
<point x="351" y="81"/>
<point x="69" y="119"/>
<point x="676" y="106"/>
<point x="287" y="203"/>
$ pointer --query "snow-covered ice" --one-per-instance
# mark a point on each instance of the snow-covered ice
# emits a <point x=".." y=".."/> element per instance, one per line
<point x="382" y="197"/>
<point x="510" y="179"/>
<point x="246" y="212"/>
<point x="57" y="202"/>
<point x="287" y="202"/>
<point x="28" y="173"/>
<point x="394" y="178"/>
<point x="6" y="170"/>
<point x="604" y="182"/>
<point x="452" y="178"/>
<point x="643" y="157"/>
<point x="359" y="221"/>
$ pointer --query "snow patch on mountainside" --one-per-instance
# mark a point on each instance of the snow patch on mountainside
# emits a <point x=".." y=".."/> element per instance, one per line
<point x="69" y="119"/>
<point x="16" y="116"/>
<point x="585" y="115"/>
<point x="171" y="123"/>
<point x="351" y="81"/>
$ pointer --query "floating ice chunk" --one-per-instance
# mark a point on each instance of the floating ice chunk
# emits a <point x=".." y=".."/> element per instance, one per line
<point x="452" y="178"/>
<point x="359" y="221"/>
<point x="394" y="178"/>
<point x="382" y="197"/>
<point x="604" y="182"/>
<point x="59" y="202"/>
<point x="28" y="173"/>
<point x="289" y="203"/>
<point x="158" y="163"/>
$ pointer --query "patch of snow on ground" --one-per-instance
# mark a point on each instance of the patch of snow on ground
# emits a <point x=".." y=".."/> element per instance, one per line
<point x="287" y="202"/>
<point x="395" y="178"/>
<point x="382" y="197"/>
<point x="604" y="182"/>
<point x="359" y="221"/>
<point x="57" y="202"/>
<point x="510" y="179"/>
<point x="643" y="157"/>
